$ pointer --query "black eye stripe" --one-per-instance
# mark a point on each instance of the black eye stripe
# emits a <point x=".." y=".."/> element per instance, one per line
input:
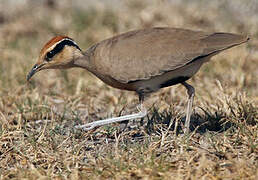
<point x="59" y="47"/>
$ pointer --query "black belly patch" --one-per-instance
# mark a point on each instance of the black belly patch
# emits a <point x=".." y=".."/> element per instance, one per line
<point x="174" y="81"/>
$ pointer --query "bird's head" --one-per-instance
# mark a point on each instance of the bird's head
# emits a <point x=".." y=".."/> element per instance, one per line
<point x="58" y="53"/>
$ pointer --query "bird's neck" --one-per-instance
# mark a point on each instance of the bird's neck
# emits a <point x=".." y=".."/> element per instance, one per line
<point x="83" y="61"/>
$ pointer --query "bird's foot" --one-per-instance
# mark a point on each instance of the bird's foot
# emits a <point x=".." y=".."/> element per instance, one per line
<point x="142" y="113"/>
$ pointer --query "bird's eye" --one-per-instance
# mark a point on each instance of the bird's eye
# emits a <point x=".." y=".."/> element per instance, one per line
<point x="49" y="56"/>
<point x="35" y="67"/>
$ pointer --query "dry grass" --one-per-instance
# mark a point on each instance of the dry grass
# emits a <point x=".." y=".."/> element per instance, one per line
<point x="37" y="135"/>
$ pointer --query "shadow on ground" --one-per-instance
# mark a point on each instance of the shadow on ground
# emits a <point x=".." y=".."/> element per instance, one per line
<point x="202" y="121"/>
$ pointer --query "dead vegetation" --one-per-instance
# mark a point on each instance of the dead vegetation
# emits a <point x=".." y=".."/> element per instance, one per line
<point x="37" y="135"/>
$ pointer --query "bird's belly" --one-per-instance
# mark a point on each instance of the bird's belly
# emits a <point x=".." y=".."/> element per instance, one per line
<point x="169" y="78"/>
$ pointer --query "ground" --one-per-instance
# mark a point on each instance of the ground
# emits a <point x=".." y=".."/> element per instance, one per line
<point x="37" y="135"/>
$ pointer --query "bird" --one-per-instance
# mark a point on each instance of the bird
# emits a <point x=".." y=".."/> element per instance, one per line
<point x="143" y="61"/>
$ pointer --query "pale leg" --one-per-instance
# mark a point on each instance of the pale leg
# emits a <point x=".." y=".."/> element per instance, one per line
<point x="190" y="91"/>
<point x="142" y="113"/>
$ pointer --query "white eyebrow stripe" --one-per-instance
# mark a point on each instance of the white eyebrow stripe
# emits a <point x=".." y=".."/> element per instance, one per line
<point x="54" y="45"/>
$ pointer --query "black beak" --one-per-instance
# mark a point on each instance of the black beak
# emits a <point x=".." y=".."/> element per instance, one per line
<point x="33" y="71"/>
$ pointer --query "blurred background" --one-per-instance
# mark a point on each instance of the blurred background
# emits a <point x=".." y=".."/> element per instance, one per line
<point x="26" y="25"/>
<point x="226" y="89"/>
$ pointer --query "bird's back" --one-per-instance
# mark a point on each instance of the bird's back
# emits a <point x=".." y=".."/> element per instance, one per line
<point x="147" y="53"/>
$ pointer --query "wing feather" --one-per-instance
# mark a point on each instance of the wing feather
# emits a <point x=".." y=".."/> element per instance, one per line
<point x="142" y="54"/>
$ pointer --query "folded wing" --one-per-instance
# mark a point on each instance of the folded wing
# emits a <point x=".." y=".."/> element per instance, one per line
<point x="142" y="54"/>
